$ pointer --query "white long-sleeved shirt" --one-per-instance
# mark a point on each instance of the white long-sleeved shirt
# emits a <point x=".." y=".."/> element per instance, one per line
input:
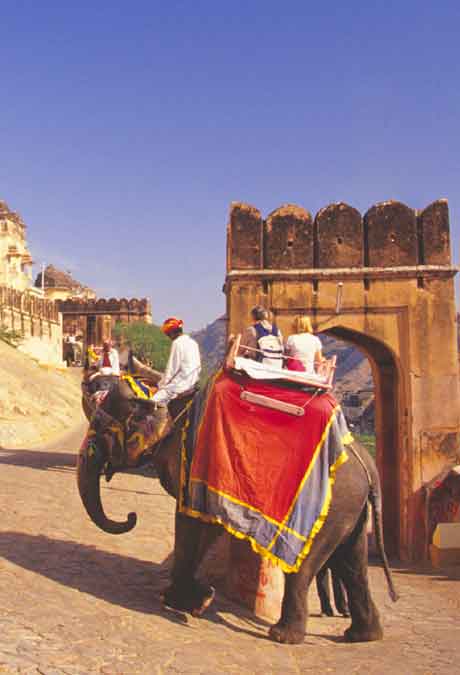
<point x="182" y="370"/>
<point x="114" y="363"/>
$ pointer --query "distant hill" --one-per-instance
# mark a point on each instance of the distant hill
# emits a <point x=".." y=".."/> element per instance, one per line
<point x="212" y="340"/>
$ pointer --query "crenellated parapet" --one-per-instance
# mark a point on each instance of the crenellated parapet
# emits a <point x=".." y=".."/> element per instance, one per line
<point x="389" y="235"/>
<point x="27" y="303"/>
<point x="113" y="306"/>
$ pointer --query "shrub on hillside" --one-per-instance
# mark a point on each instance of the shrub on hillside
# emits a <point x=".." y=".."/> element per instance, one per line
<point x="147" y="341"/>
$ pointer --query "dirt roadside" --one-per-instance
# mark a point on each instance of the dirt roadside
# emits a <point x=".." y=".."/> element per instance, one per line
<point x="37" y="403"/>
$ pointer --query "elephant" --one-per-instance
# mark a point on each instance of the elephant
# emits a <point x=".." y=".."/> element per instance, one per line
<point x="342" y="541"/>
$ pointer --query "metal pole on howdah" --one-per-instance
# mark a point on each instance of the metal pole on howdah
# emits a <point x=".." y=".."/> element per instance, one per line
<point x="338" y="298"/>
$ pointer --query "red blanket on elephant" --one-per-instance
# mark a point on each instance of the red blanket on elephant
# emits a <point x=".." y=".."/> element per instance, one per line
<point x="265" y="475"/>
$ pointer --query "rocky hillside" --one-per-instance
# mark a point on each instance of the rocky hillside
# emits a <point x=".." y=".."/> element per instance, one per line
<point x="36" y="403"/>
<point x="212" y="341"/>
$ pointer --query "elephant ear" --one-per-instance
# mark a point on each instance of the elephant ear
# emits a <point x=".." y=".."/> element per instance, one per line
<point x="108" y="440"/>
<point x="143" y="434"/>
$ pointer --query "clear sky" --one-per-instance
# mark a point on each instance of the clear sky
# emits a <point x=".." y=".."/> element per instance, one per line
<point x="127" y="128"/>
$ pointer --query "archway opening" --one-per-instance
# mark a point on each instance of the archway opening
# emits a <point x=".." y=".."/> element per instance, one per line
<point x="387" y="426"/>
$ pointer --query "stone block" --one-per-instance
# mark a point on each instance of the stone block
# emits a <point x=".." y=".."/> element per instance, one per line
<point x="245" y="246"/>
<point x="447" y="536"/>
<point x="288" y="238"/>
<point x="339" y="230"/>
<point x="390" y="230"/>
<point x="434" y="231"/>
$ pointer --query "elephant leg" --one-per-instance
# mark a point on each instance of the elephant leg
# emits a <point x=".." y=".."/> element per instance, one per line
<point x="291" y="627"/>
<point x="351" y="560"/>
<point x="323" y="588"/>
<point x="192" y="540"/>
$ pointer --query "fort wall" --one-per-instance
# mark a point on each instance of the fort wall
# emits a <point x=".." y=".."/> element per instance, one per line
<point x="390" y="234"/>
<point x="36" y="319"/>
<point x="94" y="319"/>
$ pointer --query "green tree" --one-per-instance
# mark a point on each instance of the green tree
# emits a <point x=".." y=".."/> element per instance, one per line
<point x="147" y="341"/>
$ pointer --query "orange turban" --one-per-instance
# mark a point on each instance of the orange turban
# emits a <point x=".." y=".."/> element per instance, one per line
<point x="171" y="324"/>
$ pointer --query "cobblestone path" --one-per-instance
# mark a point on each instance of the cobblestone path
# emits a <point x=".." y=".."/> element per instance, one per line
<point x="74" y="600"/>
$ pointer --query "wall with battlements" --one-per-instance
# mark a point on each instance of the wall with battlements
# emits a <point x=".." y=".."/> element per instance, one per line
<point x="36" y="319"/>
<point x="94" y="320"/>
<point x="389" y="234"/>
<point x="125" y="309"/>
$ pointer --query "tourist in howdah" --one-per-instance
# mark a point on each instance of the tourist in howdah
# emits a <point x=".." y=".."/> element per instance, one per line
<point x="303" y="348"/>
<point x="263" y="340"/>
<point x="184" y="365"/>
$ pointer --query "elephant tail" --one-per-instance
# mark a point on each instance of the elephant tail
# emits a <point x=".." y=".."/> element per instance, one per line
<point x="376" y="503"/>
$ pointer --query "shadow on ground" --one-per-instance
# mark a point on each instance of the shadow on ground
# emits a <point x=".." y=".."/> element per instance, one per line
<point x="57" y="461"/>
<point x="120" y="580"/>
<point x="450" y="573"/>
<point x="36" y="459"/>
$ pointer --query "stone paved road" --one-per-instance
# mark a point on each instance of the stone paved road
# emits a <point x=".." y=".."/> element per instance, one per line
<point x="74" y="600"/>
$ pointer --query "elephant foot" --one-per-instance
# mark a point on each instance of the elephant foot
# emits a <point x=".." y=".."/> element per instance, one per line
<point x="193" y="597"/>
<point x="287" y="634"/>
<point x="367" y="635"/>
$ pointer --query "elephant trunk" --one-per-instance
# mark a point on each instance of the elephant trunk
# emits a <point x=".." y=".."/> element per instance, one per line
<point x="88" y="475"/>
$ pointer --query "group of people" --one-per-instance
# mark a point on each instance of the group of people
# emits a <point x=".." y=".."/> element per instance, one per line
<point x="262" y="341"/>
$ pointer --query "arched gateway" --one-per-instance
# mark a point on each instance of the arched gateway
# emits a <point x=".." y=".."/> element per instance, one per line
<point x="384" y="282"/>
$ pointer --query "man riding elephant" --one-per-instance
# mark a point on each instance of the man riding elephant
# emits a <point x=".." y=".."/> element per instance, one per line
<point x="182" y="373"/>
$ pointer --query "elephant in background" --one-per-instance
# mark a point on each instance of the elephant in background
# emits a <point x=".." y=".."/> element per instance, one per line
<point x="342" y="539"/>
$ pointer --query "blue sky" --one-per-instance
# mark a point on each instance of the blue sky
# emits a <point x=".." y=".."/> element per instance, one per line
<point x="127" y="128"/>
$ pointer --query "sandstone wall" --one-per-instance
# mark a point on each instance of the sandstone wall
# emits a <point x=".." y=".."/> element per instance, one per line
<point x="38" y="321"/>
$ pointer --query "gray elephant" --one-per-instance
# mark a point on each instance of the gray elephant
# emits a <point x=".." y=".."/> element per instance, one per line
<point x="342" y="539"/>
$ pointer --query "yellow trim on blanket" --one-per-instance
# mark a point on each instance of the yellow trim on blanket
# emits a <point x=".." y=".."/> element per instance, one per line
<point x="342" y="458"/>
<point x="135" y="387"/>
<point x="306" y="476"/>
<point x="246" y="506"/>
<point x="264" y="552"/>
